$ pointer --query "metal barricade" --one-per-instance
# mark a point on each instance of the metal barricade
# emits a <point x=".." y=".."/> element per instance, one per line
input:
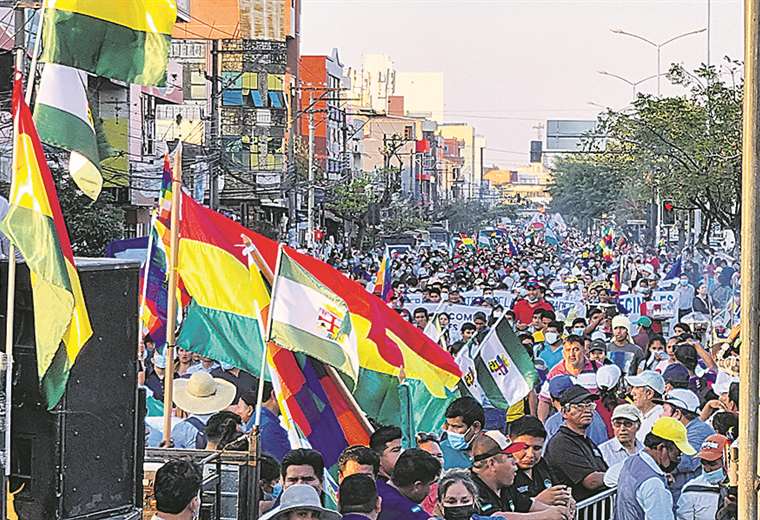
<point x="597" y="507"/>
<point x="225" y="481"/>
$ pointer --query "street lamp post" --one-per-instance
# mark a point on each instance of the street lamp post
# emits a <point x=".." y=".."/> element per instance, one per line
<point x="633" y="84"/>
<point x="658" y="46"/>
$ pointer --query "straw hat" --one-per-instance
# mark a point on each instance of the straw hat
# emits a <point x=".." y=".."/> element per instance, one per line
<point x="202" y="394"/>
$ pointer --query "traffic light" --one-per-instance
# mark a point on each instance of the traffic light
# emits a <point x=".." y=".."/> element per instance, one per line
<point x="668" y="213"/>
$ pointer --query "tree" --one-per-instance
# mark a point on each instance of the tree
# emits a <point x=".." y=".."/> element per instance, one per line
<point x="470" y="215"/>
<point x="91" y="224"/>
<point x="684" y="148"/>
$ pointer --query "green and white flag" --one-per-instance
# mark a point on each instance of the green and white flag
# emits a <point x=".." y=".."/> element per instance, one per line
<point x="499" y="371"/>
<point x="63" y="119"/>
<point x="308" y="317"/>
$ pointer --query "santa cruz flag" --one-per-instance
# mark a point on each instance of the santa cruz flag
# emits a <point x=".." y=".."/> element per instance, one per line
<point x="308" y="317"/>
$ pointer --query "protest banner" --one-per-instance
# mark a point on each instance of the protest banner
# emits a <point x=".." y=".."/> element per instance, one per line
<point x="458" y="314"/>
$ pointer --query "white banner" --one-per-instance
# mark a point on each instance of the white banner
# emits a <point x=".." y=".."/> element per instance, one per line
<point x="458" y="314"/>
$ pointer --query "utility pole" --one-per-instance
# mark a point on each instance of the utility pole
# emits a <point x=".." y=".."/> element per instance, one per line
<point x="310" y="203"/>
<point x="213" y="172"/>
<point x="749" y="366"/>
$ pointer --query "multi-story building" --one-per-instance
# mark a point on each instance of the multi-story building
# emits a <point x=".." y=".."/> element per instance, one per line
<point x="422" y="92"/>
<point x="451" y="181"/>
<point x="472" y="170"/>
<point x="373" y="82"/>
<point x="529" y="183"/>
<point x="322" y="90"/>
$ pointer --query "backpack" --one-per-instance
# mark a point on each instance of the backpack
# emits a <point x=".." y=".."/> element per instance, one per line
<point x="200" y="437"/>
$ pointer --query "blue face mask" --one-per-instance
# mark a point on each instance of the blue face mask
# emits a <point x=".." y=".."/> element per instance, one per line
<point x="225" y="366"/>
<point x="457" y="440"/>
<point x="715" y="477"/>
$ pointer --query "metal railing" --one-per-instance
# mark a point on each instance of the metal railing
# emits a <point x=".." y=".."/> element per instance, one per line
<point x="597" y="507"/>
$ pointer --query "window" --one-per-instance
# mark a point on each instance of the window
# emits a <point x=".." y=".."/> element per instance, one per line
<point x="263" y="117"/>
<point x="197" y="84"/>
<point x="408" y="133"/>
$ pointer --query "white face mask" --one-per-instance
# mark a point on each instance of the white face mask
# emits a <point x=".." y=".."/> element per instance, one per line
<point x="551" y="337"/>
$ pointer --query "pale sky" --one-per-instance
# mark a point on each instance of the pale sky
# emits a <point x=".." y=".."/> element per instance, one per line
<point x="509" y="64"/>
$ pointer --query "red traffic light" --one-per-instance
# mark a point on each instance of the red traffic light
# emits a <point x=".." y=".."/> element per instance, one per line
<point x="668" y="205"/>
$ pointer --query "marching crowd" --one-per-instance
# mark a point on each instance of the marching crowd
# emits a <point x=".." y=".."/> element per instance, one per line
<point x="647" y="406"/>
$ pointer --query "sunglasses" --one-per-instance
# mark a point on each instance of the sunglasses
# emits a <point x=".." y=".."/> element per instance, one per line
<point x="622" y="422"/>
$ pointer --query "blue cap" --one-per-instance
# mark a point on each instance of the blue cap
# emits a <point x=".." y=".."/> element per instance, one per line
<point x="676" y="373"/>
<point x="559" y="384"/>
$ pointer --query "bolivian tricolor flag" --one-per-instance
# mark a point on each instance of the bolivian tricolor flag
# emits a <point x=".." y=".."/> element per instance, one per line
<point x="126" y="40"/>
<point x="35" y="225"/>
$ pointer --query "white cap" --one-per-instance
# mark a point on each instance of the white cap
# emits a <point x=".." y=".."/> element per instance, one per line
<point x="648" y="378"/>
<point x="723" y="382"/>
<point x="682" y="398"/>
<point x="627" y="411"/>
<point x="608" y="376"/>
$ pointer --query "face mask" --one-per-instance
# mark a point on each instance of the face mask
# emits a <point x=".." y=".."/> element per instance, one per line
<point x="578" y="331"/>
<point x="496" y="314"/>
<point x="457" y="440"/>
<point x="715" y="477"/>
<point x="275" y="494"/>
<point x="659" y="355"/>
<point x="458" y="512"/>
<point x="532" y="299"/>
<point x="225" y="366"/>
<point x="551" y="337"/>
<point x="684" y="282"/>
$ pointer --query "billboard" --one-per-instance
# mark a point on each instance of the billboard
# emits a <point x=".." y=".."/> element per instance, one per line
<point x="566" y="135"/>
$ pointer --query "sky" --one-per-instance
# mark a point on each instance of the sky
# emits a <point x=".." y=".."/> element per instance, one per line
<point x="511" y="64"/>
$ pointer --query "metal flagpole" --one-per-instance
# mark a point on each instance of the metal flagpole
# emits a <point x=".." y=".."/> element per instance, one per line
<point x="6" y="361"/>
<point x="171" y="307"/>
<point x="254" y="440"/>
<point x="749" y="367"/>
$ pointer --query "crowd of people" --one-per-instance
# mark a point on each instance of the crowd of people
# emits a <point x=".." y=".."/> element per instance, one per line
<point x="642" y="400"/>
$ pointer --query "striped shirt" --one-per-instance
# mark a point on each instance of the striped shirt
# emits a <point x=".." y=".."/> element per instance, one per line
<point x="587" y="379"/>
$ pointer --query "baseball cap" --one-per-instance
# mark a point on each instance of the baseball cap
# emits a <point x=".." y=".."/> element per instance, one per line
<point x="576" y="394"/>
<point x="723" y="382"/>
<point x="644" y="321"/>
<point x="621" y="321"/>
<point x="608" y="376"/>
<point x="559" y="384"/>
<point x="626" y="411"/>
<point x="681" y="398"/>
<point x="676" y="373"/>
<point x="598" y="344"/>
<point x="672" y="430"/>
<point x="482" y="449"/>
<point x="713" y="447"/>
<point x="648" y="378"/>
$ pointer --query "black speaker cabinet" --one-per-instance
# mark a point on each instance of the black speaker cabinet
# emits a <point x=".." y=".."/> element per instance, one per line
<point x="83" y="459"/>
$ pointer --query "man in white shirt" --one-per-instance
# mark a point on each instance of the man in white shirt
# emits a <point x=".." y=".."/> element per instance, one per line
<point x="646" y="388"/>
<point x="643" y="492"/>
<point x="626" y="421"/>
<point x="700" y="496"/>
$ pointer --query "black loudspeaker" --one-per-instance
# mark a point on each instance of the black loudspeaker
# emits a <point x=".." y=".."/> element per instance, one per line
<point x="83" y="459"/>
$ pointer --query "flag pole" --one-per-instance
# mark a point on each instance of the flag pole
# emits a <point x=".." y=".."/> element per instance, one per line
<point x="171" y="307"/>
<point x="7" y="359"/>
<point x="35" y="54"/>
<point x="254" y="440"/>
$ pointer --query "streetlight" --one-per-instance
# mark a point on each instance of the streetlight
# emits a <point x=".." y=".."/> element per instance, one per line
<point x="658" y="46"/>
<point x="633" y="84"/>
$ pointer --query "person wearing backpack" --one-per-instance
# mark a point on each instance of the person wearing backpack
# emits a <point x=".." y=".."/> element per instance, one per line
<point x="201" y="396"/>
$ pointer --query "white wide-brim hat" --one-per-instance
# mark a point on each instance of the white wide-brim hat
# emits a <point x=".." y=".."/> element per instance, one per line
<point x="202" y="394"/>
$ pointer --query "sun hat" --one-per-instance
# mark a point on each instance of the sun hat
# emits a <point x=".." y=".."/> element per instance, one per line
<point x="621" y="321"/>
<point x="299" y="497"/>
<point x="672" y="430"/>
<point x="202" y="394"/>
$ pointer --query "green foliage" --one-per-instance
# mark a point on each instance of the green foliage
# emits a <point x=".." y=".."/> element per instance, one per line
<point x="91" y="224"/>
<point x="686" y="148"/>
<point x="471" y="215"/>
<point x="352" y="200"/>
